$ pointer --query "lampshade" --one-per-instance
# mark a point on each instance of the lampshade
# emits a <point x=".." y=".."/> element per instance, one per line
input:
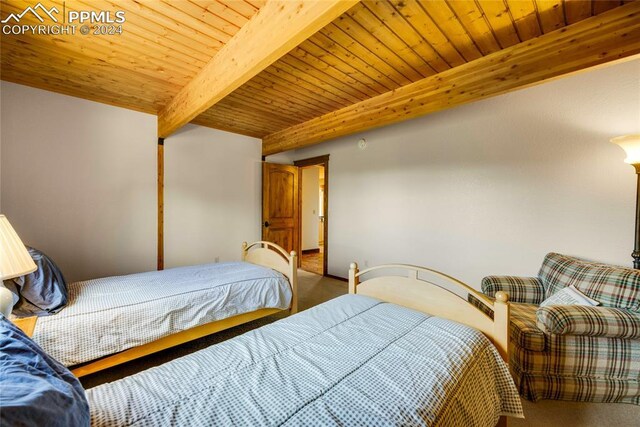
<point x="631" y="145"/>
<point x="14" y="259"/>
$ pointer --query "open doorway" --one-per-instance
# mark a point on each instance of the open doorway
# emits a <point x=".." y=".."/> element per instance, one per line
<point x="313" y="222"/>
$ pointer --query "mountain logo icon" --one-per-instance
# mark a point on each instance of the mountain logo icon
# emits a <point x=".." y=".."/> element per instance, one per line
<point x="34" y="11"/>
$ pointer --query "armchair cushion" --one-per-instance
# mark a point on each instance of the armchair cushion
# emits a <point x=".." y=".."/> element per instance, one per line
<point x="527" y="290"/>
<point x="588" y="320"/>
<point x="612" y="286"/>
<point x="524" y="331"/>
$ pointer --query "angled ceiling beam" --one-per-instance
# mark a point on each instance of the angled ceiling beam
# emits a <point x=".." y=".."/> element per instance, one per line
<point x="278" y="27"/>
<point x="603" y="38"/>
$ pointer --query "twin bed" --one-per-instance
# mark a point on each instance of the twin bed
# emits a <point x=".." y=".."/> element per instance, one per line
<point x="378" y="356"/>
<point x="113" y="320"/>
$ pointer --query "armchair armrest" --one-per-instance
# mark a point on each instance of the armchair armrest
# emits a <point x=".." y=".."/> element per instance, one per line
<point x="527" y="290"/>
<point x="589" y="320"/>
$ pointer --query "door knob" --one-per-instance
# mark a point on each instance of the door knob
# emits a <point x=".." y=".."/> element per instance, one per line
<point x="266" y="224"/>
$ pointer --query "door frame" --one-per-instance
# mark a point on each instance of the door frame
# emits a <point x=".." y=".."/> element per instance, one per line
<point x="315" y="161"/>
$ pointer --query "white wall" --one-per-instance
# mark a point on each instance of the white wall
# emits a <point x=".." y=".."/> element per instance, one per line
<point x="78" y="181"/>
<point x="212" y="195"/>
<point x="490" y="187"/>
<point x="310" y="206"/>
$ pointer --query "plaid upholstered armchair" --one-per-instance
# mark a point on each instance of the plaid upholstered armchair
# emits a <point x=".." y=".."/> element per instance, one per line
<point x="574" y="352"/>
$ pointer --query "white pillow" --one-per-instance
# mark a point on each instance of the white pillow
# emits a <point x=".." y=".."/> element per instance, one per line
<point x="569" y="296"/>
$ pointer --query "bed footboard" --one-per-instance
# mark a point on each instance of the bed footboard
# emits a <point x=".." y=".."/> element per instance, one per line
<point x="270" y="255"/>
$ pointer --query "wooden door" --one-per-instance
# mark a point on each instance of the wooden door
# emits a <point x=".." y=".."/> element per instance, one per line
<point x="280" y="204"/>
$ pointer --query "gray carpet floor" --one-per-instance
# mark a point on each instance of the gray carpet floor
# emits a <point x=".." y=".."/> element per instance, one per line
<point x="313" y="290"/>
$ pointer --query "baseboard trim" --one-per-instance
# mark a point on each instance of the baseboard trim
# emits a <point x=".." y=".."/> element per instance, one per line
<point x="331" y="276"/>
<point x="310" y="251"/>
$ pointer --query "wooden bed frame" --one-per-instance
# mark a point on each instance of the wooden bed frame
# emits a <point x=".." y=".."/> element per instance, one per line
<point x="432" y="292"/>
<point x="262" y="253"/>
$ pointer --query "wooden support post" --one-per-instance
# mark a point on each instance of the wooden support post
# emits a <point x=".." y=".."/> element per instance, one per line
<point x="160" y="203"/>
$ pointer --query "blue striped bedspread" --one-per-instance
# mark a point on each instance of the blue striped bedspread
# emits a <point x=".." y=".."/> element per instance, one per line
<point x="108" y="315"/>
<point x="351" y="361"/>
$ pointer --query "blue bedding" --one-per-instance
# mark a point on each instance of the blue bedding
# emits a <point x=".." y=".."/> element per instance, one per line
<point x="35" y="390"/>
<point x="351" y="361"/>
<point x="41" y="293"/>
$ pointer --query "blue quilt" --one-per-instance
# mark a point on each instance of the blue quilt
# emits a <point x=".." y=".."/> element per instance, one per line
<point x="35" y="390"/>
<point x="351" y="361"/>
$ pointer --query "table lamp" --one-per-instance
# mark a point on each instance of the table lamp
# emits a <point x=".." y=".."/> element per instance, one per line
<point x="15" y="261"/>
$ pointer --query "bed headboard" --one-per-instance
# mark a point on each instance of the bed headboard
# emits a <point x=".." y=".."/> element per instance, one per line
<point x="433" y="292"/>
<point x="273" y="256"/>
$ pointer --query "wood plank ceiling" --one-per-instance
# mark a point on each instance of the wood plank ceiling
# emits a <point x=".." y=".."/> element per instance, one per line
<point x="373" y="48"/>
<point x="378" y="46"/>
<point x="162" y="47"/>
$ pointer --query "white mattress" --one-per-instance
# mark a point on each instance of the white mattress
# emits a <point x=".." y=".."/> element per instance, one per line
<point x="109" y="315"/>
<point x="353" y="361"/>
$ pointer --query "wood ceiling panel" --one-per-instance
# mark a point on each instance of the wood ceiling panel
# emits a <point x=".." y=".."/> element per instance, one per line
<point x="237" y="123"/>
<point x="267" y="111"/>
<point x="315" y="80"/>
<point x="551" y="14"/>
<point x="291" y="85"/>
<point x="182" y="13"/>
<point x="381" y="45"/>
<point x="99" y="47"/>
<point x="162" y="47"/>
<point x="450" y="25"/>
<point x="53" y="82"/>
<point x="425" y="31"/>
<point x="337" y="67"/>
<point x="16" y="53"/>
<point x="501" y="22"/>
<point x="600" y="6"/>
<point x="377" y="26"/>
<point x="610" y="36"/>
<point x="525" y="18"/>
<point x="576" y="10"/>
<point x="352" y="27"/>
<point x="342" y="58"/>
<point x="376" y="47"/>
<point x="282" y="90"/>
<point x="143" y="10"/>
<point x="220" y="10"/>
<point x="275" y="101"/>
<point x="234" y="112"/>
<point x="172" y="41"/>
<point x="343" y="39"/>
<point x="276" y="29"/>
<point x="245" y="8"/>
<point x="474" y="22"/>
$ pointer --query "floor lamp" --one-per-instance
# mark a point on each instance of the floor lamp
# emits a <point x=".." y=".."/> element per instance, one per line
<point x="15" y="261"/>
<point x="631" y="145"/>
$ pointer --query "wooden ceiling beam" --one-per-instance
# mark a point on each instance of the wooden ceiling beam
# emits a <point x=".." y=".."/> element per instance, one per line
<point x="607" y="37"/>
<point x="278" y="27"/>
